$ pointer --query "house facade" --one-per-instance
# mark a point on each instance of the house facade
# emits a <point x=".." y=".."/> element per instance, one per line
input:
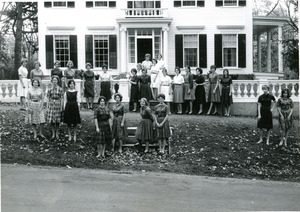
<point x="119" y="33"/>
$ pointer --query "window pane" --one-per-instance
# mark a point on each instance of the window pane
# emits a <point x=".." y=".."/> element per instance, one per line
<point x="59" y="4"/>
<point x="190" y="57"/>
<point x="100" y="3"/>
<point x="229" y="57"/>
<point x="230" y="2"/>
<point x="62" y="49"/>
<point x="188" y="3"/>
<point x="177" y="3"/>
<point x="101" y="50"/>
<point x="229" y="41"/>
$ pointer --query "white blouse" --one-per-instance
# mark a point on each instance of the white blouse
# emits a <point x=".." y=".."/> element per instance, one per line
<point x="178" y="79"/>
<point x="105" y="77"/>
<point x="160" y="64"/>
<point x="165" y="80"/>
<point x="23" y="72"/>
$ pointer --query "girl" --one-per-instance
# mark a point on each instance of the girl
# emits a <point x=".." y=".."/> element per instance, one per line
<point x="103" y="123"/>
<point x="58" y="72"/>
<point x="23" y="83"/>
<point x="89" y="85"/>
<point x="105" y="83"/>
<point x="145" y="81"/>
<point x="161" y="112"/>
<point x="213" y="93"/>
<point x="146" y="64"/>
<point x="178" y="82"/>
<point x="36" y="73"/>
<point x="226" y="97"/>
<point x="154" y="78"/>
<point x="134" y="91"/>
<point x="69" y="74"/>
<point x="189" y="94"/>
<point x="265" y="118"/>
<point x="166" y="87"/>
<point x="200" y="90"/>
<point x="71" y="113"/>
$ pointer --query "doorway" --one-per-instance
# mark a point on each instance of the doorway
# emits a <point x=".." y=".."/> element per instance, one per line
<point x="144" y="46"/>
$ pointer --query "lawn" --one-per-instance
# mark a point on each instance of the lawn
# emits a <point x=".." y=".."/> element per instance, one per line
<point x="201" y="145"/>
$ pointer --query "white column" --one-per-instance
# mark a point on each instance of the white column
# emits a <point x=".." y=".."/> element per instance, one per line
<point x="280" y="58"/>
<point x="166" y="48"/>
<point x="258" y="53"/>
<point x="123" y="54"/>
<point x="269" y="51"/>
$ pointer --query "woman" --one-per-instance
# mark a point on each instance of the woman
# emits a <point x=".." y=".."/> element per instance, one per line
<point x="145" y="81"/>
<point x="154" y="79"/>
<point x="213" y="93"/>
<point x="178" y="82"/>
<point x="285" y="107"/>
<point x="71" y="113"/>
<point x="144" y="132"/>
<point x="160" y="62"/>
<point x="23" y="83"/>
<point x="105" y="83"/>
<point x="103" y="123"/>
<point x="146" y="64"/>
<point x="265" y="109"/>
<point x="200" y="90"/>
<point x="189" y="93"/>
<point x="226" y="97"/>
<point x="58" y="72"/>
<point x="134" y="91"/>
<point x="69" y="74"/>
<point x="139" y="69"/>
<point x="89" y="85"/>
<point x="36" y="116"/>
<point x="36" y="73"/>
<point x="161" y="112"/>
<point x="119" y="122"/>
<point x="55" y="106"/>
<point x="166" y="87"/>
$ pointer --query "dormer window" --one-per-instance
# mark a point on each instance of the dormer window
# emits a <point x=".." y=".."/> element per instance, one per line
<point x="184" y="3"/>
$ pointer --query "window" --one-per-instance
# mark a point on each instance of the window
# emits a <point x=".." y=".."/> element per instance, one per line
<point x="59" y="4"/>
<point x="230" y="3"/>
<point x="184" y="3"/>
<point x="190" y="43"/>
<point x="101" y="50"/>
<point x="229" y="45"/>
<point x="143" y="4"/>
<point x="100" y="4"/>
<point x="62" y="47"/>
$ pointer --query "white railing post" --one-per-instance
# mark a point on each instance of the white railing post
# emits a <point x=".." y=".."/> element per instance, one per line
<point x="6" y="92"/>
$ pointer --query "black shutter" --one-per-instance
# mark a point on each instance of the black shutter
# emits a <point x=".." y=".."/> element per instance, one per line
<point x="202" y="51"/>
<point x="73" y="50"/>
<point x="113" y="59"/>
<point x="47" y="4"/>
<point x="49" y="52"/>
<point x="201" y="3"/>
<point x="242" y="3"/>
<point x="71" y="4"/>
<point x="129" y="4"/>
<point x="242" y="51"/>
<point x="218" y="50"/>
<point x="177" y="3"/>
<point x="157" y="4"/>
<point x="219" y="3"/>
<point x="112" y="4"/>
<point x="89" y="4"/>
<point x="179" y="51"/>
<point x="89" y="57"/>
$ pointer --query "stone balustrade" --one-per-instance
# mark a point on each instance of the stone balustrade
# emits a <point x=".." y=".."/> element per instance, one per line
<point x="242" y="90"/>
<point x="145" y="12"/>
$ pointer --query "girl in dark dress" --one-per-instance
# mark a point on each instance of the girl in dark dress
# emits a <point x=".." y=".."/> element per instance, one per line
<point x="265" y="109"/>
<point x="105" y="83"/>
<point x="189" y="93"/>
<point x="119" y="128"/>
<point x="226" y="97"/>
<point x="103" y="123"/>
<point x="213" y="93"/>
<point x="285" y="107"/>
<point x="200" y="90"/>
<point x="144" y="132"/>
<point x="68" y="74"/>
<point x="145" y="81"/>
<point x="71" y="112"/>
<point x="134" y="91"/>
<point x="89" y="85"/>
<point x="161" y="112"/>
<point x="56" y="71"/>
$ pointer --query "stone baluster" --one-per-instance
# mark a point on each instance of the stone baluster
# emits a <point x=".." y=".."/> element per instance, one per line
<point x="1" y="92"/>
<point x="293" y="90"/>
<point x="239" y="90"/>
<point x="251" y="90"/>
<point x="6" y="92"/>
<point x="279" y="90"/>
<point x="13" y="92"/>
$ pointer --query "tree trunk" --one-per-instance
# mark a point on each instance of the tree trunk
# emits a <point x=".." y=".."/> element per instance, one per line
<point x="18" y="40"/>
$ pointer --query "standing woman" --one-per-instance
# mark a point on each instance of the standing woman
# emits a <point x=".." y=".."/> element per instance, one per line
<point x="69" y="73"/>
<point x="71" y="113"/>
<point x="139" y="69"/>
<point x="178" y="82"/>
<point x="161" y="112"/>
<point x="146" y="64"/>
<point x="55" y="106"/>
<point x="144" y="132"/>
<point x="23" y="83"/>
<point x="119" y="128"/>
<point x="102" y="120"/>
<point x="285" y="107"/>
<point x="166" y="87"/>
<point x="226" y="97"/>
<point x="58" y="72"/>
<point x="134" y="91"/>
<point x="213" y="93"/>
<point x="89" y="85"/>
<point x="36" y="73"/>
<point x="145" y="81"/>
<point x="160" y="61"/>
<point x="105" y="83"/>
<point x="265" y="109"/>
<point x="36" y="116"/>
<point x="189" y="93"/>
<point x="154" y="78"/>
<point x="200" y="90"/>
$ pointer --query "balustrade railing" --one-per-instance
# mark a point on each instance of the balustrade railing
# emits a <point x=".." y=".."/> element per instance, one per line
<point x="242" y="90"/>
<point x="145" y="12"/>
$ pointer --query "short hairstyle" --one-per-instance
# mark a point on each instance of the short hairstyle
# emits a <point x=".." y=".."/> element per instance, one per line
<point x="57" y="62"/>
<point x="101" y="97"/>
<point x="37" y="62"/>
<point x="104" y="66"/>
<point x="266" y="87"/>
<point x="119" y="95"/>
<point x="200" y="70"/>
<point x="134" y="70"/>
<point x="213" y="67"/>
<point x="286" y="90"/>
<point x="177" y="68"/>
<point x="164" y="69"/>
<point x="226" y="71"/>
<point x="139" y="65"/>
<point x="154" y="60"/>
<point x="88" y="64"/>
<point x="55" y="76"/>
<point x="144" y="69"/>
<point x="188" y="68"/>
<point x="161" y="95"/>
<point x="34" y="81"/>
<point x="23" y="60"/>
<point x="70" y="81"/>
<point x="70" y="62"/>
<point x="159" y="54"/>
<point x="147" y="55"/>
<point x="145" y="100"/>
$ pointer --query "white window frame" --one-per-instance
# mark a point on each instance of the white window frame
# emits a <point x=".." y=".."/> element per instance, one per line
<point x="56" y="39"/>
<point x="94" y="50"/>
<point x="197" y="51"/>
<point x="230" y="47"/>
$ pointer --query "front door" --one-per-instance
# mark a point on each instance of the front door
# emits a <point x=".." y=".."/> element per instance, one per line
<point x="144" y="46"/>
